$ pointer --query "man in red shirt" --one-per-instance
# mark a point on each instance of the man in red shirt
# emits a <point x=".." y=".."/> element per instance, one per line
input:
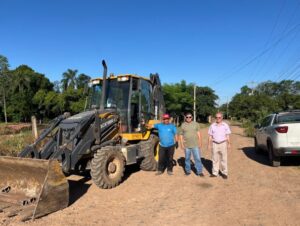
<point x="167" y="143"/>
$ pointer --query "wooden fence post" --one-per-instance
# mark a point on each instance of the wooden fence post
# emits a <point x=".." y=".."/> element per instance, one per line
<point x="34" y="127"/>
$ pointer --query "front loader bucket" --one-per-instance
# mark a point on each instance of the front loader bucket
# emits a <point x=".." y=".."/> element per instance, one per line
<point x="31" y="188"/>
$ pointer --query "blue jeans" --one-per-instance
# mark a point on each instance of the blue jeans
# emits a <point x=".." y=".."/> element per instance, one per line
<point x="197" y="158"/>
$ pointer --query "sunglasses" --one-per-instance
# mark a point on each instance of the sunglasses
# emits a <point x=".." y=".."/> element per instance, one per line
<point x="188" y="117"/>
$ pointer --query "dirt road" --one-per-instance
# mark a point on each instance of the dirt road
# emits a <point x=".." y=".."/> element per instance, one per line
<point x="254" y="194"/>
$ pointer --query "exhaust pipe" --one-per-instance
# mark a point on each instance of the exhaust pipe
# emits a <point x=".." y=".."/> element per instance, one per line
<point x="103" y="96"/>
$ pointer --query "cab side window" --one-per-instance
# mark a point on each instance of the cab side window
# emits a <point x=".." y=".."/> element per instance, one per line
<point x="146" y="99"/>
<point x="134" y="105"/>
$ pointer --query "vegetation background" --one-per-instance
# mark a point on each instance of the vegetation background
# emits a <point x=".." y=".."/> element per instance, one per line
<point x="25" y="92"/>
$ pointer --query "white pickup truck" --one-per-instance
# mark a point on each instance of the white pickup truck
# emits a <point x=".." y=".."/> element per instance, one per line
<point x="279" y="135"/>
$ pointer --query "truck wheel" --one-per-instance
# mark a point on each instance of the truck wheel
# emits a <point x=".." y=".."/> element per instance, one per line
<point x="148" y="150"/>
<point x="107" y="167"/>
<point x="256" y="148"/>
<point x="274" y="160"/>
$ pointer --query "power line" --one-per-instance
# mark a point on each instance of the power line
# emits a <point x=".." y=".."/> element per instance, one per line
<point x="263" y="52"/>
<point x="293" y="60"/>
<point x="270" y="37"/>
<point x="282" y="53"/>
<point x="294" y="74"/>
<point x="284" y="50"/>
<point x="290" y="71"/>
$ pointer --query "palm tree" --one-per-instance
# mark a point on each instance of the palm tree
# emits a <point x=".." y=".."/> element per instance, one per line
<point x="4" y="82"/>
<point x="69" y="79"/>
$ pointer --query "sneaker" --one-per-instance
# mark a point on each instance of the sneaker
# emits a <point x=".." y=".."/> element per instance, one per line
<point x="213" y="175"/>
<point x="170" y="172"/>
<point x="187" y="173"/>
<point x="224" y="176"/>
<point x="159" y="173"/>
<point x="200" y="174"/>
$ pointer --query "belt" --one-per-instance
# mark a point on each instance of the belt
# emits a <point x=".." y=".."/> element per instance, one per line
<point x="221" y="142"/>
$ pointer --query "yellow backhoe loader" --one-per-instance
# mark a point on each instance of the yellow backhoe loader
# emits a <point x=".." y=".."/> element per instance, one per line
<point x="109" y="135"/>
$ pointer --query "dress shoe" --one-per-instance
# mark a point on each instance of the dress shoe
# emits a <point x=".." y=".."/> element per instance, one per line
<point x="200" y="174"/>
<point x="170" y="172"/>
<point x="158" y="173"/>
<point x="224" y="176"/>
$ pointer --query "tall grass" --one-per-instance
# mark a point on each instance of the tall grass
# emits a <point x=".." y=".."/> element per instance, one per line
<point x="6" y="129"/>
<point x="12" y="142"/>
<point x="249" y="129"/>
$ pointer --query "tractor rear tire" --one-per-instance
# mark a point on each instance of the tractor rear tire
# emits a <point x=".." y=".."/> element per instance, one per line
<point x="148" y="150"/>
<point x="107" y="167"/>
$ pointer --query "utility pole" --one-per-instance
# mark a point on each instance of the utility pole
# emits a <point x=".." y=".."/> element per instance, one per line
<point x="195" y="116"/>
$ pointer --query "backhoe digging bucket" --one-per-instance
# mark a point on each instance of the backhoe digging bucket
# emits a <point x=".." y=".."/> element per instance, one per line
<point x="31" y="188"/>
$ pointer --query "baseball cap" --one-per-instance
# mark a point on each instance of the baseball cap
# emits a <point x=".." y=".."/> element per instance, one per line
<point x="166" y="116"/>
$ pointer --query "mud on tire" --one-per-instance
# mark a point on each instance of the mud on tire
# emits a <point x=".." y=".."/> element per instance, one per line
<point x="148" y="151"/>
<point x="107" y="167"/>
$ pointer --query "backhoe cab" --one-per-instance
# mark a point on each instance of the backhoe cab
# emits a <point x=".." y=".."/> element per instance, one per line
<point x="103" y="139"/>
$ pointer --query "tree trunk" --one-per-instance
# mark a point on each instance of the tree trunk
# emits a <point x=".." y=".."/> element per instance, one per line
<point x="4" y="106"/>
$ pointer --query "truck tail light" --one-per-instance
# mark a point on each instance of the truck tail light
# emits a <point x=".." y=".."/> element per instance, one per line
<point x="282" y="129"/>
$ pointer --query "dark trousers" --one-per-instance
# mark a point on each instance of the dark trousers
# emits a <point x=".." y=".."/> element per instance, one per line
<point x="166" y="158"/>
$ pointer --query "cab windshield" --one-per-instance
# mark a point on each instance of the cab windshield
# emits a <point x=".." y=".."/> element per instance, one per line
<point x="117" y="93"/>
<point x="95" y="96"/>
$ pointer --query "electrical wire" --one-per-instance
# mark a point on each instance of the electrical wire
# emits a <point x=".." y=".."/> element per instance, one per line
<point x="269" y="39"/>
<point x="286" y="75"/>
<point x="282" y="53"/>
<point x="262" y="53"/>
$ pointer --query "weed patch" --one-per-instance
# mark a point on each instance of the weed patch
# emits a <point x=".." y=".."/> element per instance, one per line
<point x="249" y="129"/>
<point x="11" y="145"/>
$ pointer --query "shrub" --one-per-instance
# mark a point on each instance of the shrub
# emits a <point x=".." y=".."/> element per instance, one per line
<point x="249" y="129"/>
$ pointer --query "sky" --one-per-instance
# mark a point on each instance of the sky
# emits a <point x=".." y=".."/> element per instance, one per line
<point x="223" y="44"/>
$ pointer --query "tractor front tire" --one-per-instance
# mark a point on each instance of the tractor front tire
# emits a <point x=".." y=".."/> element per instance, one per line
<point x="149" y="148"/>
<point x="107" y="167"/>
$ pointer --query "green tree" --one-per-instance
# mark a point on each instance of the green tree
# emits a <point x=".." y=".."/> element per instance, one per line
<point x="69" y="79"/>
<point x="266" y="98"/>
<point x="4" y="82"/>
<point x="179" y="98"/>
<point x="205" y="102"/>
<point x="22" y="99"/>
<point x="285" y="93"/>
<point x="82" y="81"/>
<point x="21" y="78"/>
<point x="24" y="92"/>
